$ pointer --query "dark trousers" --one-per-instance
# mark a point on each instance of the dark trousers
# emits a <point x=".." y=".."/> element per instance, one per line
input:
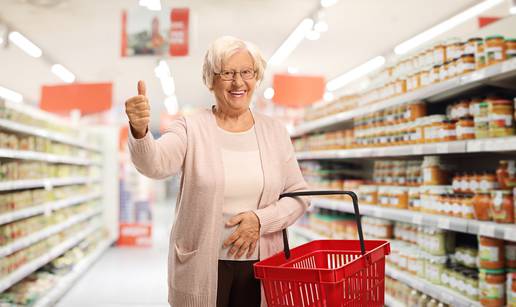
<point x="237" y="286"/>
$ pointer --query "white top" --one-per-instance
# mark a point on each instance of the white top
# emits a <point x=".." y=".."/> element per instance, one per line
<point x="243" y="180"/>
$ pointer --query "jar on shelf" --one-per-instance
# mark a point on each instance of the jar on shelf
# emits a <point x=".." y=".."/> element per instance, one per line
<point x="456" y="183"/>
<point x="491" y="253"/>
<point x="465" y="128"/>
<point x="439" y="56"/>
<point x="434" y="74"/>
<point x="487" y="183"/>
<point x="510" y="51"/>
<point x="467" y="207"/>
<point x="482" y="121"/>
<point x="511" y="288"/>
<point x="481" y="203"/>
<point x="434" y="172"/>
<point x="510" y="255"/>
<point x="495" y="49"/>
<point x="468" y="63"/>
<point x="447" y="131"/>
<point x="502" y="206"/>
<point x="480" y="56"/>
<point x="462" y="109"/>
<point x="501" y="118"/>
<point x="506" y="174"/>
<point x="414" y="199"/>
<point x="472" y="45"/>
<point x="475" y="180"/>
<point x="492" y="287"/>
<point x="443" y="71"/>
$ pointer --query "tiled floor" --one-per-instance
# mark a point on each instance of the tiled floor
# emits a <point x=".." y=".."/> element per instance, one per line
<point x="134" y="277"/>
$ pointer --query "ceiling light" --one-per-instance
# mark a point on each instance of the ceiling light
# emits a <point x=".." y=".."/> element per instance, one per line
<point x="10" y="95"/>
<point x="269" y="93"/>
<point x="292" y="70"/>
<point x="168" y="86"/>
<point x="512" y="10"/>
<point x="328" y="3"/>
<point x="25" y="44"/>
<point x="441" y="28"/>
<point x="291" y="42"/>
<point x="321" y="26"/>
<point x="328" y="96"/>
<point x="162" y="70"/>
<point x="313" y="35"/>
<point x="171" y="105"/>
<point x="1" y="40"/>
<point x="63" y="73"/>
<point x="355" y="73"/>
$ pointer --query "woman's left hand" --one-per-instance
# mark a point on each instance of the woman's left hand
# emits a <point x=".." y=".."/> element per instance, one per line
<point x="245" y="236"/>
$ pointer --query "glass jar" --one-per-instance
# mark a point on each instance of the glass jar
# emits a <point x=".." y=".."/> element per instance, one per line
<point x="447" y="131"/>
<point x="467" y="63"/>
<point x="487" y="183"/>
<point x="506" y="174"/>
<point x="467" y="208"/>
<point x="510" y="51"/>
<point x="491" y="253"/>
<point x="492" y="288"/>
<point x="511" y="288"/>
<point x="510" y="255"/>
<point x="482" y="121"/>
<point x="480" y="56"/>
<point x="439" y="54"/>
<point x="472" y="45"/>
<point x="502" y="206"/>
<point x="434" y="173"/>
<point x="481" y="203"/>
<point x="495" y="49"/>
<point x="443" y="71"/>
<point x="501" y="118"/>
<point x="434" y="74"/>
<point x="465" y="129"/>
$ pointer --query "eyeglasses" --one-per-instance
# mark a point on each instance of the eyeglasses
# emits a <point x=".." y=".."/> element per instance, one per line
<point x="229" y="75"/>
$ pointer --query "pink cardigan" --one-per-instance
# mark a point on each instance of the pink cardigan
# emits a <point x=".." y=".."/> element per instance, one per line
<point x="189" y="145"/>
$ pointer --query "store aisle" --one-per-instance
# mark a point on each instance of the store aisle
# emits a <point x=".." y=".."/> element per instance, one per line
<point x="128" y="276"/>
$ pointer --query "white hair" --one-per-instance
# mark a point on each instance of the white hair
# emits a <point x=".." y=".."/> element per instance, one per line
<point x="222" y="49"/>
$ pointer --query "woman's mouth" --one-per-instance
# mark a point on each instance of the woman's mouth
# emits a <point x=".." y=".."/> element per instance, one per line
<point x="237" y="94"/>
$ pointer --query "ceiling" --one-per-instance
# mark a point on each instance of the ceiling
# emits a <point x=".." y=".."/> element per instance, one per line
<point x="84" y="36"/>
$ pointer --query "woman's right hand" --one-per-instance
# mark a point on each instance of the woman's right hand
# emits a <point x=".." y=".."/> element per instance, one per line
<point x="137" y="109"/>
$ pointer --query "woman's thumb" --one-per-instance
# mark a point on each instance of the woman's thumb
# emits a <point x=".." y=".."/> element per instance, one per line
<point x="141" y="88"/>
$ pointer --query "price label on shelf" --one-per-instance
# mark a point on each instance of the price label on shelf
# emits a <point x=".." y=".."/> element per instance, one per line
<point x="377" y="212"/>
<point x="47" y="184"/>
<point x="447" y="298"/>
<point x="487" y="230"/>
<point x="442" y="148"/>
<point x="443" y="223"/>
<point x="509" y="65"/>
<point x="417" y="219"/>
<point x="417" y="150"/>
<point x="474" y="146"/>
<point x="510" y="233"/>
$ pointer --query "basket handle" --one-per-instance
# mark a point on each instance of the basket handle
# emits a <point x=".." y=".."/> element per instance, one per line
<point x="354" y="198"/>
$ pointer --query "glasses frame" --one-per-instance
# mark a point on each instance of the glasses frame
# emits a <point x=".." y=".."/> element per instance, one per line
<point x="220" y="74"/>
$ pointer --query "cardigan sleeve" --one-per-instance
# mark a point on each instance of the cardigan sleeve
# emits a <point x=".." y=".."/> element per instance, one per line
<point x="163" y="157"/>
<point x="284" y="212"/>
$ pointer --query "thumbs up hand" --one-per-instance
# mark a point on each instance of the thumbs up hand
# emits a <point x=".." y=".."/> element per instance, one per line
<point x="137" y="109"/>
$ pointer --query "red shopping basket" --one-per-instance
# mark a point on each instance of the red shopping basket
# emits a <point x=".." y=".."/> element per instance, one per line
<point x="326" y="273"/>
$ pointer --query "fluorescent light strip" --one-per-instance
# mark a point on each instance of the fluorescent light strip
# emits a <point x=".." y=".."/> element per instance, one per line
<point x="168" y="86"/>
<point x="441" y="28"/>
<point x="328" y="3"/>
<point x="10" y="95"/>
<point x="153" y="5"/>
<point x="291" y="42"/>
<point x="25" y="44"/>
<point x="269" y="93"/>
<point x="513" y="10"/>
<point x="63" y="73"/>
<point x="355" y="73"/>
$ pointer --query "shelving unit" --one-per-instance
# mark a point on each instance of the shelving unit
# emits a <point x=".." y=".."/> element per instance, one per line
<point x="435" y="92"/>
<point x="38" y="156"/>
<point x="470" y="146"/>
<point x="66" y="282"/>
<point x="46" y="207"/>
<point x="489" y="229"/>
<point x="32" y="266"/>
<point x="45" y="233"/>
<point x="45" y="183"/>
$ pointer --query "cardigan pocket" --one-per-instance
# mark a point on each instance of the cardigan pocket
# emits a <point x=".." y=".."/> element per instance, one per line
<point x="184" y="256"/>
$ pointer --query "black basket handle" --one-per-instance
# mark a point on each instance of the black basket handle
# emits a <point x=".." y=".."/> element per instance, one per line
<point x="354" y="197"/>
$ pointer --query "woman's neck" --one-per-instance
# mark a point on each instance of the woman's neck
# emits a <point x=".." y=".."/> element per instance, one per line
<point x="233" y="122"/>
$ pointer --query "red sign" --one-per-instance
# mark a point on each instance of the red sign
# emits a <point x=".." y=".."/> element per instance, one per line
<point x="88" y="97"/>
<point x="297" y="91"/>
<point x="179" y="28"/>
<point x="135" y="235"/>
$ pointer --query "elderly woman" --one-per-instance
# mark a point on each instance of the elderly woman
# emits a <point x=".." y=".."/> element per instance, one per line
<point x="235" y="163"/>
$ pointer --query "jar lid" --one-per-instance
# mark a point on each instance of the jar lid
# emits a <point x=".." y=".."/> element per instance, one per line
<point x="494" y="37"/>
<point x="486" y="271"/>
<point x="474" y="39"/>
<point x="512" y="40"/>
<point x="501" y="101"/>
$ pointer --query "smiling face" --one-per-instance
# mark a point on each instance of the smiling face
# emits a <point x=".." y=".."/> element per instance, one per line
<point x="234" y="96"/>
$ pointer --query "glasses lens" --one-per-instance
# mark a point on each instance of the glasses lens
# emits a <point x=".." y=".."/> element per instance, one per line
<point x="247" y="74"/>
<point x="227" y="75"/>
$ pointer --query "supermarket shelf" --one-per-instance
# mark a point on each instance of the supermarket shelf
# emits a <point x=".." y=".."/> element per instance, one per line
<point x="441" y="293"/>
<point x="36" y="131"/>
<point x="66" y="282"/>
<point x="38" y="156"/>
<point x="45" y="233"/>
<point x="32" y="266"/>
<point x="392" y="302"/>
<point x="484" y="145"/>
<point x="44" y="183"/>
<point x="46" y="207"/>
<point x="439" y="91"/>
<point x="489" y="229"/>
<point x="306" y="233"/>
